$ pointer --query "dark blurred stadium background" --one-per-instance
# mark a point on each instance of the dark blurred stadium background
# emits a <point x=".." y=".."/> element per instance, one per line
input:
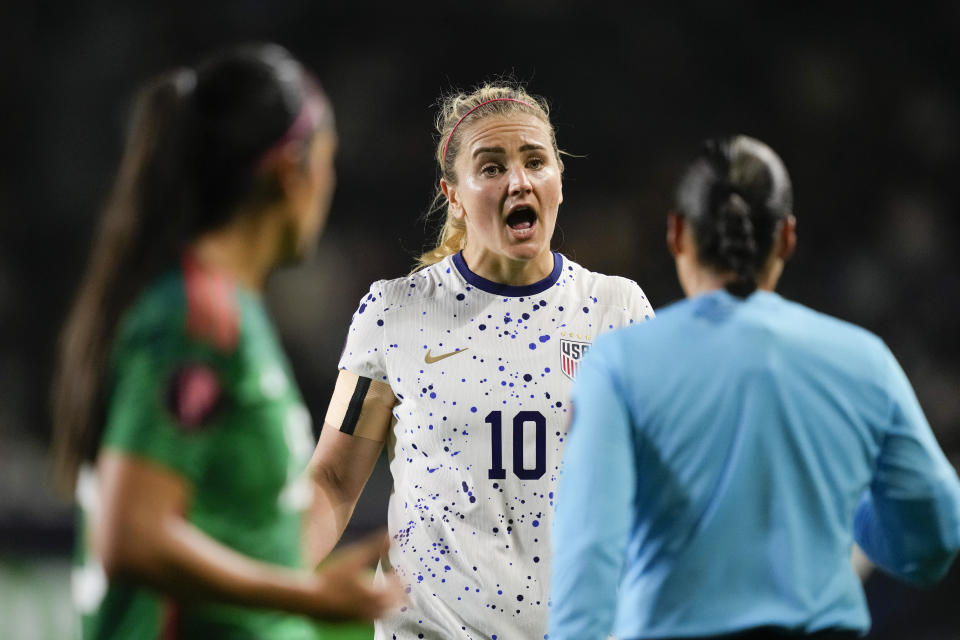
<point x="862" y="100"/>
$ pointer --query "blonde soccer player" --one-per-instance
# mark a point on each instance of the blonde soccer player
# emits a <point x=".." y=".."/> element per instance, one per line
<point x="462" y="370"/>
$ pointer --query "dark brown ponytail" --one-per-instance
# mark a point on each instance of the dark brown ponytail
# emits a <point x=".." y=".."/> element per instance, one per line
<point x="189" y="166"/>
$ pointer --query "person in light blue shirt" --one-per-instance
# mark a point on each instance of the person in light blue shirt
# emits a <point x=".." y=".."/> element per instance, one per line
<point x="723" y="459"/>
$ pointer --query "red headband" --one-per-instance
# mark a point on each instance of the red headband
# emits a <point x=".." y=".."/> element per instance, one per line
<point x="447" y="143"/>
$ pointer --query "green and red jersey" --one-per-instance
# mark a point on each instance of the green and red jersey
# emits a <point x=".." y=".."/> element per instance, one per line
<point x="199" y="385"/>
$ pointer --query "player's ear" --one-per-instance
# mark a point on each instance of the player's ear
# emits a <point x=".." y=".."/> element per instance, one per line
<point x="788" y="238"/>
<point x="450" y="191"/>
<point x="290" y="168"/>
<point x="675" y="228"/>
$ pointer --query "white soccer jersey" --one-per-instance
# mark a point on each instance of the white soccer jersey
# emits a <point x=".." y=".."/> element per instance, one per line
<point x="481" y="373"/>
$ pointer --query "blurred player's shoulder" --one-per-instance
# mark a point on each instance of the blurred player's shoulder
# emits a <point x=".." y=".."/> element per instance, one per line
<point x="212" y="306"/>
<point x="190" y="302"/>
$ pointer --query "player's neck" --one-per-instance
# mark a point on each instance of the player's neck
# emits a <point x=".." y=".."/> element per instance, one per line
<point x="698" y="281"/>
<point x="244" y="249"/>
<point x="498" y="268"/>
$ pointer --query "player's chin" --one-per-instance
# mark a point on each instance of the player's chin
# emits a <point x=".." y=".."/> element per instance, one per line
<point x="527" y="248"/>
<point x="294" y="255"/>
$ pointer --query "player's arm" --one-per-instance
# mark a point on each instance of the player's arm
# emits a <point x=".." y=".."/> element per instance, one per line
<point x="163" y="423"/>
<point x="141" y="536"/>
<point x="908" y="522"/>
<point x="357" y="423"/>
<point x="594" y="507"/>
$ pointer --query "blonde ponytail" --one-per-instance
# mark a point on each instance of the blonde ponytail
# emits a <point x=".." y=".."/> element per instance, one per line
<point x="451" y="239"/>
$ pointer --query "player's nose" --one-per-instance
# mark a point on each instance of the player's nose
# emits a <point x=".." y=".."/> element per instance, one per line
<point x="518" y="182"/>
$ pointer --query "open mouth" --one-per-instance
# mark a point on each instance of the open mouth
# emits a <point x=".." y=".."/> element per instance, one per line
<point x="521" y="219"/>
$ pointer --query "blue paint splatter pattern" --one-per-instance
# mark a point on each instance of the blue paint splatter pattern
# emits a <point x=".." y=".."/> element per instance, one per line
<point x="480" y="422"/>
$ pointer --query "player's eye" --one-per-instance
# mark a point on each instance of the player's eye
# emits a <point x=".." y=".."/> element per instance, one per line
<point x="490" y="169"/>
<point x="535" y="162"/>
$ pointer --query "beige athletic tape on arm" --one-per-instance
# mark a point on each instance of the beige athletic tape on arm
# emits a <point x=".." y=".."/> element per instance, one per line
<point x="361" y="407"/>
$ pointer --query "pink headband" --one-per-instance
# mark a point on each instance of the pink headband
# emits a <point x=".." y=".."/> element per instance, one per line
<point x="447" y="143"/>
<point x="309" y="118"/>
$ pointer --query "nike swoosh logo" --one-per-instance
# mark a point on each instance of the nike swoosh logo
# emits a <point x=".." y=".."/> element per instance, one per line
<point x="431" y="359"/>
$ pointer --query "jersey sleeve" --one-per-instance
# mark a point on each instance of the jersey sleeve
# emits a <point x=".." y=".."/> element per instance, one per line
<point x="362" y="401"/>
<point x="639" y="307"/>
<point x="363" y="352"/>
<point x="169" y="394"/>
<point x="908" y="522"/>
<point x="594" y="505"/>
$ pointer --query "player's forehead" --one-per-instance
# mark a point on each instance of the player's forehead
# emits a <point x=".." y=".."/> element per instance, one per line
<point x="505" y="133"/>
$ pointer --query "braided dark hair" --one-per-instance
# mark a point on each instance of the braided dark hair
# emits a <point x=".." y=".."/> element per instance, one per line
<point x="734" y="194"/>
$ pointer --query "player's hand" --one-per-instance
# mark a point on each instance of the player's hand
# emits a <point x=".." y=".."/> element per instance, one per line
<point x="345" y="589"/>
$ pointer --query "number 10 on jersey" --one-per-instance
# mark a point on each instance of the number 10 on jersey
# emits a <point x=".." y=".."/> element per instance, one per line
<point x="520" y="422"/>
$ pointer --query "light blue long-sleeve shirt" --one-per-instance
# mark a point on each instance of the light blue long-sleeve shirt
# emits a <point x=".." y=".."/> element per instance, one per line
<point x="722" y="460"/>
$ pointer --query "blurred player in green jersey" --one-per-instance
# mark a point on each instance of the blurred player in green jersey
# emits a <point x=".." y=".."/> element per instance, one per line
<point x="178" y="422"/>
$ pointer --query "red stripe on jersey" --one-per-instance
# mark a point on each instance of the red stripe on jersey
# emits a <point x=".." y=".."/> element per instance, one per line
<point x="212" y="312"/>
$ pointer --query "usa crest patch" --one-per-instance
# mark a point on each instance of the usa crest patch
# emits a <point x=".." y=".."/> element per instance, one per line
<point x="571" y="353"/>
